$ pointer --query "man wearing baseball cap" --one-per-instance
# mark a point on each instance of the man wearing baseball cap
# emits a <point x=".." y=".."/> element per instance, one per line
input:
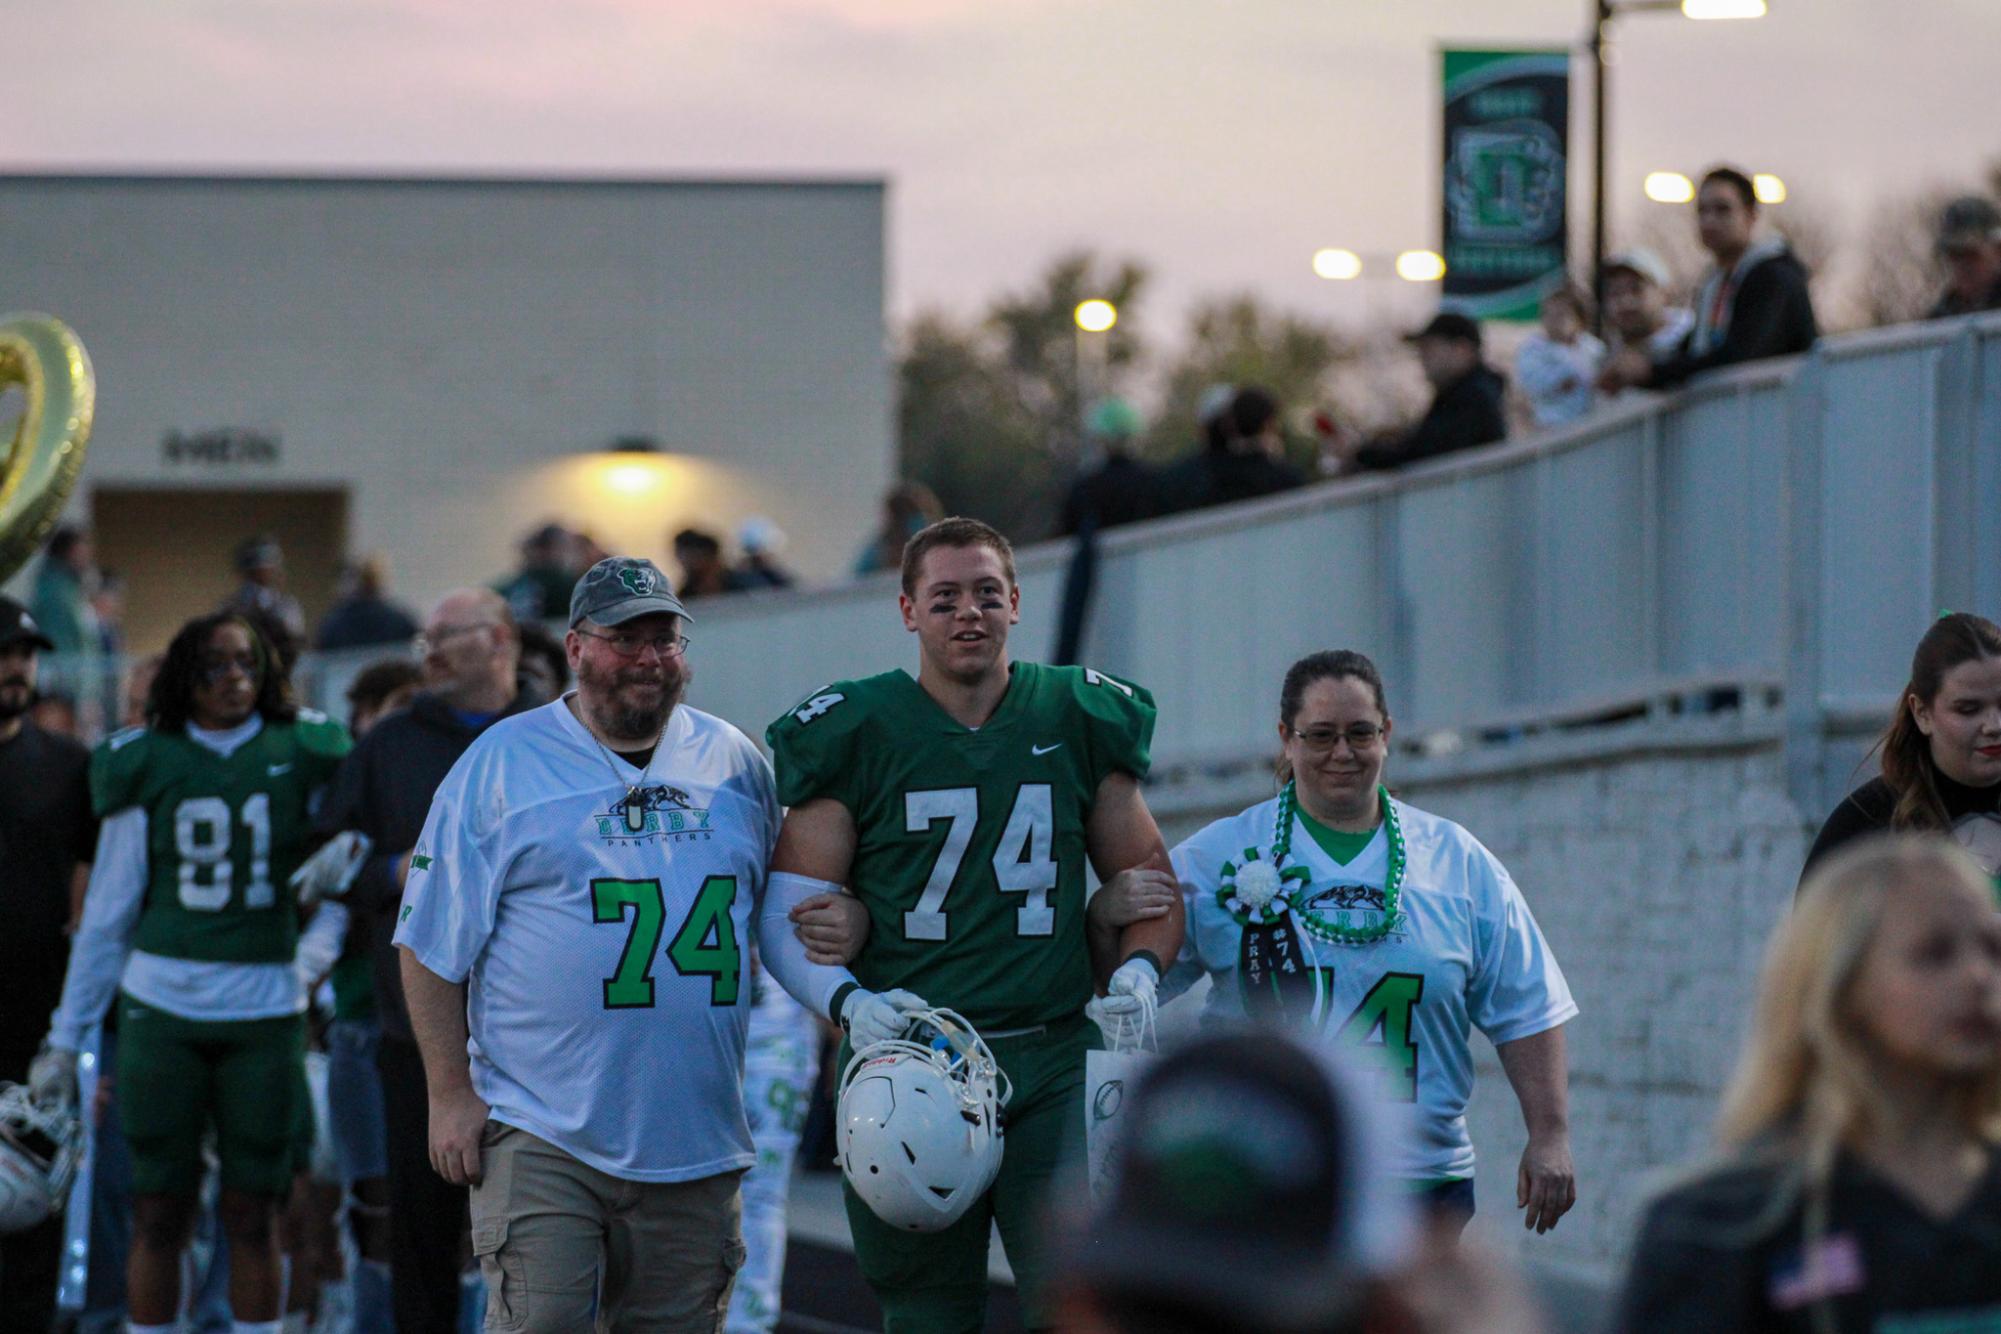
<point x="1637" y="314"/>
<point x="1969" y="246"/>
<point x="581" y="905"/>
<point x="47" y="835"/>
<point x="1466" y="407"/>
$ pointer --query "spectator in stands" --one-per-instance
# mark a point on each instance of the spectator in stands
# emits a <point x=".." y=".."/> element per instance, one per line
<point x="1859" y="1182"/>
<point x="1969" y="245"/>
<point x="1557" y="366"/>
<point x="260" y="564"/>
<point x="585" y="551"/>
<point x="380" y="689"/>
<point x="1243" y="457"/>
<point x="107" y="601"/>
<point x="384" y="789"/>
<point x="1941" y="754"/>
<point x="907" y="509"/>
<point x="61" y="598"/>
<point x="137" y="687"/>
<point x="365" y="616"/>
<point x="1753" y="303"/>
<point x="540" y="589"/>
<point x="1466" y="406"/>
<point x="761" y="540"/>
<point x="544" y="669"/>
<point x="703" y="571"/>
<point x="1637" y="314"/>
<point x="1121" y="488"/>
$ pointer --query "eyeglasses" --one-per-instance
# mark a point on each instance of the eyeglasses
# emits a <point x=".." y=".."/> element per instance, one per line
<point x="216" y="670"/>
<point x="430" y="639"/>
<point x="1320" y="740"/>
<point x="631" y="646"/>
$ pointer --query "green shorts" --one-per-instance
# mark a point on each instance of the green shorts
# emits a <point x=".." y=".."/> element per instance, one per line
<point x="179" y="1078"/>
<point x="936" y="1282"/>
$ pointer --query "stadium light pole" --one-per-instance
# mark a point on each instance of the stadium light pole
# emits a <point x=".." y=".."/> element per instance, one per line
<point x="1603" y="13"/>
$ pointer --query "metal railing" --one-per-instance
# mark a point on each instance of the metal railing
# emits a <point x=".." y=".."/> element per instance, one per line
<point x="1789" y="525"/>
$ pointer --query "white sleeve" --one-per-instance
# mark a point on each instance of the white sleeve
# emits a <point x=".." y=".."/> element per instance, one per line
<point x="1515" y="989"/>
<point x="779" y="949"/>
<point x="110" y="913"/>
<point x="452" y="895"/>
<point x="320" y="944"/>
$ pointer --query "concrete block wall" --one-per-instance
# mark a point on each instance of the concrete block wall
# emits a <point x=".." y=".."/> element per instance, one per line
<point x="1657" y="878"/>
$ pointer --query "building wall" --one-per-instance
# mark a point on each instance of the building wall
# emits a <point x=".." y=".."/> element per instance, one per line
<point x="1657" y="878"/>
<point x="451" y="352"/>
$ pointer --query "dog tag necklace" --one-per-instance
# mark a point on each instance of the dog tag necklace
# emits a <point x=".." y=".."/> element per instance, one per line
<point x="635" y="793"/>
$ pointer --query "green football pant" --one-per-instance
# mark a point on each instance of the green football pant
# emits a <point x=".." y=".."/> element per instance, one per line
<point x="936" y="1282"/>
<point x="177" y="1077"/>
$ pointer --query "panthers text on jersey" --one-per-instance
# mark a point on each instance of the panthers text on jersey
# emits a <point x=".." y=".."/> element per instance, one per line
<point x="970" y="843"/>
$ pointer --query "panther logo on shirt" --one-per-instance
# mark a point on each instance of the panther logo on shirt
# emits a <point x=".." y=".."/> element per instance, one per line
<point x="1346" y="898"/>
<point x="659" y="812"/>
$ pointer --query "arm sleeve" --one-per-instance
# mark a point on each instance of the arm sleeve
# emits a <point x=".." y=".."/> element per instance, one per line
<point x="1865" y="811"/>
<point x="810" y="747"/>
<point x="110" y="913"/>
<point x="453" y="893"/>
<point x="1118" y="723"/>
<point x="1460" y="419"/>
<point x="347" y="806"/>
<point x="1515" y="989"/>
<point x="1209" y="945"/>
<point x="813" y="985"/>
<point x="1542" y="369"/>
<point x="320" y="944"/>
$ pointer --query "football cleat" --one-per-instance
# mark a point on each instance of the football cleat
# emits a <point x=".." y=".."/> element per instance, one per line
<point x="918" y="1122"/>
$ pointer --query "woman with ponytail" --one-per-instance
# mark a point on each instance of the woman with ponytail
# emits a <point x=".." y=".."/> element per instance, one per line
<point x="1941" y="754"/>
<point x="1858" y="1186"/>
<point x="1371" y="925"/>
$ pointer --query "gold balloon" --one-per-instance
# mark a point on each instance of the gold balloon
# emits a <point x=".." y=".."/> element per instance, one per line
<point x="43" y="356"/>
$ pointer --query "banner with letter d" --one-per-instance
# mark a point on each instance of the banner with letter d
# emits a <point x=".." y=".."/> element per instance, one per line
<point x="1507" y="135"/>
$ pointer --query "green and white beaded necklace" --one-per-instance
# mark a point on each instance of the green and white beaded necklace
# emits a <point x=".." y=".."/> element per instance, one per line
<point x="1260" y="892"/>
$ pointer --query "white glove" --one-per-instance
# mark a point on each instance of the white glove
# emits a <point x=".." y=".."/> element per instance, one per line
<point x="1131" y="990"/>
<point x="52" y="1077"/>
<point x="329" y="872"/>
<point x="871" y="1017"/>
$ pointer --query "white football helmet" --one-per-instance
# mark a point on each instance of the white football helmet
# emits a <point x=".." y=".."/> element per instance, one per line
<point x="919" y="1122"/>
<point x="39" y="1150"/>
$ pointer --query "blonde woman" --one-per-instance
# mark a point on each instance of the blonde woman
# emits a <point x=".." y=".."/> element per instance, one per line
<point x="1860" y="1187"/>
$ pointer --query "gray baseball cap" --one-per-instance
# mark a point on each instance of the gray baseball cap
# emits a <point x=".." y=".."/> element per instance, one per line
<point x="618" y="588"/>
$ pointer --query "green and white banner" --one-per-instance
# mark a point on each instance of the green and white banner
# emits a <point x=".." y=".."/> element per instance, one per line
<point x="1507" y="134"/>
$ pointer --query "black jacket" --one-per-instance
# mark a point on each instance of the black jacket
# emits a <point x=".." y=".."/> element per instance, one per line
<point x="1867" y="810"/>
<point x="384" y="789"/>
<point x="1772" y="316"/>
<point x="1465" y="413"/>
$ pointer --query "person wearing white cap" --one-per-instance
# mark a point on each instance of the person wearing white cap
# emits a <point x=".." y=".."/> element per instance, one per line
<point x="1637" y="313"/>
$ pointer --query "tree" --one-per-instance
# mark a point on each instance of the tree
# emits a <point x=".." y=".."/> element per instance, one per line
<point x="989" y="413"/>
<point x="1237" y="341"/>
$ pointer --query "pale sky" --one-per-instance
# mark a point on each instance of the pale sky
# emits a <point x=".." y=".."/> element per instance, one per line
<point x="1219" y="142"/>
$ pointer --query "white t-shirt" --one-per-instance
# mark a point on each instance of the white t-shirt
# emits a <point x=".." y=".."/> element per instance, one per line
<point x="1468" y="953"/>
<point x="606" y="951"/>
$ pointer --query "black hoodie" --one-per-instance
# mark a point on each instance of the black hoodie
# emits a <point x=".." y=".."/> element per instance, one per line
<point x="384" y="789"/>
<point x="1769" y="314"/>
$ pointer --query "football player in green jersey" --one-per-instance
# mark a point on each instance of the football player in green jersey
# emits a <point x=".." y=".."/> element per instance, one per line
<point x="960" y="808"/>
<point x="193" y="918"/>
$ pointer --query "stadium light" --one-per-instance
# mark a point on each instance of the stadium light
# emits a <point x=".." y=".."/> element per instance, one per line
<point x="1096" y="316"/>
<point x="1769" y="188"/>
<point x="1337" y="266"/>
<point x="1723" y="9"/>
<point x="1669" y="187"/>
<point x="1420" y="266"/>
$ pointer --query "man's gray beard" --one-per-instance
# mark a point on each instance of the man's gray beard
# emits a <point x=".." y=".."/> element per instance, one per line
<point x="620" y="723"/>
